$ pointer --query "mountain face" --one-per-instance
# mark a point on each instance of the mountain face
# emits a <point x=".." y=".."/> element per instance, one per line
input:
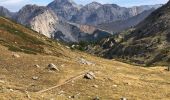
<point x="122" y="25"/>
<point x="95" y="13"/>
<point x="38" y="18"/>
<point x="147" y="44"/>
<point x="70" y="32"/>
<point x="64" y="8"/>
<point x="28" y="12"/>
<point x="5" y="12"/>
<point x="45" y="21"/>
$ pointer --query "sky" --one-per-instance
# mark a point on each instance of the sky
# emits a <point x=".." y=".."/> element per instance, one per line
<point x="15" y="5"/>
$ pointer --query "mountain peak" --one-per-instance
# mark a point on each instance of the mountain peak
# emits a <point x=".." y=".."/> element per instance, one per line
<point x="93" y="5"/>
<point x="64" y="1"/>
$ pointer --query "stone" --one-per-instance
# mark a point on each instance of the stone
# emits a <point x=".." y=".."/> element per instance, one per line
<point x="114" y="85"/>
<point x="95" y="86"/>
<point x="37" y="66"/>
<point x="96" y="98"/>
<point x="52" y="67"/>
<point x="89" y="75"/>
<point x="85" y="62"/>
<point x="35" y="78"/>
<point x="71" y="97"/>
<point x="16" y="55"/>
<point x="123" y="98"/>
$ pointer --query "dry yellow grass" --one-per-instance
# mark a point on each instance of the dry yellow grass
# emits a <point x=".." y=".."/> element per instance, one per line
<point x="114" y="79"/>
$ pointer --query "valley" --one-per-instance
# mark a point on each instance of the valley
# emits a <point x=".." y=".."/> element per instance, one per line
<point x="67" y="51"/>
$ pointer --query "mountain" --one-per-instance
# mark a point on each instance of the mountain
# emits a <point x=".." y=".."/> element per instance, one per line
<point x="147" y="44"/>
<point x="65" y="9"/>
<point x="5" y="12"/>
<point x="46" y="22"/>
<point x="95" y="13"/>
<point x="35" y="67"/>
<point x="28" y="12"/>
<point x="71" y="32"/>
<point x="122" y="25"/>
<point x="63" y="19"/>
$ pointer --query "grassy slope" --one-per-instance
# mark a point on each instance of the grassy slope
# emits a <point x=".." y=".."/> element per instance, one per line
<point x="133" y="82"/>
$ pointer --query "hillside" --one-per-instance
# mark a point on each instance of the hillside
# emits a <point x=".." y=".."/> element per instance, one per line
<point x="21" y="39"/>
<point x="24" y="72"/>
<point x="122" y="25"/>
<point x="147" y="44"/>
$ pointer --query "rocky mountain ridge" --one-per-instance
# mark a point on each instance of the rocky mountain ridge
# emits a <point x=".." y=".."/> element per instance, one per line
<point x="147" y="44"/>
<point x="64" y="18"/>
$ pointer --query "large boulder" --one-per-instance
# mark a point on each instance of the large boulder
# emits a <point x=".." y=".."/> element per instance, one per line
<point x="89" y="75"/>
<point x="52" y="67"/>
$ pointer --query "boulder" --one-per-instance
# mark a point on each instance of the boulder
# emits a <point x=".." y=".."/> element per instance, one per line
<point x="52" y="67"/>
<point x="85" y="62"/>
<point x="123" y="98"/>
<point x="15" y="55"/>
<point x="35" y="78"/>
<point x="89" y="75"/>
<point x="37" y="66"/>
<point x="96" y="98"/>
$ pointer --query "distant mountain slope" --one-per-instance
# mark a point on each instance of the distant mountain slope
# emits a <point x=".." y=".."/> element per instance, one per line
<point x="148" y="44"/>
<point x="95" y="13"/>
<point x="119" y="26"/>
<point x="5" y="12"/>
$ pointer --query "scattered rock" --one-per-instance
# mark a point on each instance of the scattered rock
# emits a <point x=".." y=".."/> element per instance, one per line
<point x="95" y="86"/>
<point x="16" y="55"/>
<point x="35" y="78"/>
<point x="61" y="92"/>
<point x="123" y="98"/>
<point x="67" y="47"/>
<point x="128" y="83"/>
<point x="96" y="98"/>
<point x="11" y="90"/>
<point x="71" y="97"/>
<point x="52" y="67"/>
<point x="37" y="66"/>
<point x="89" y="75"/>
<point x="114" y="85"/>
<point x="85" y="62"/>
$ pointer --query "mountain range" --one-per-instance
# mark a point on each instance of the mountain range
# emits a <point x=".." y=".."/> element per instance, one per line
<point x="35" y="67"/>
<point x="61" y="19"/>
<point x="146" y="44"/>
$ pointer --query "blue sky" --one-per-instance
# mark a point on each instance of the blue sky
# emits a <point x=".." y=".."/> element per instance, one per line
<point x="15" y="5"/>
